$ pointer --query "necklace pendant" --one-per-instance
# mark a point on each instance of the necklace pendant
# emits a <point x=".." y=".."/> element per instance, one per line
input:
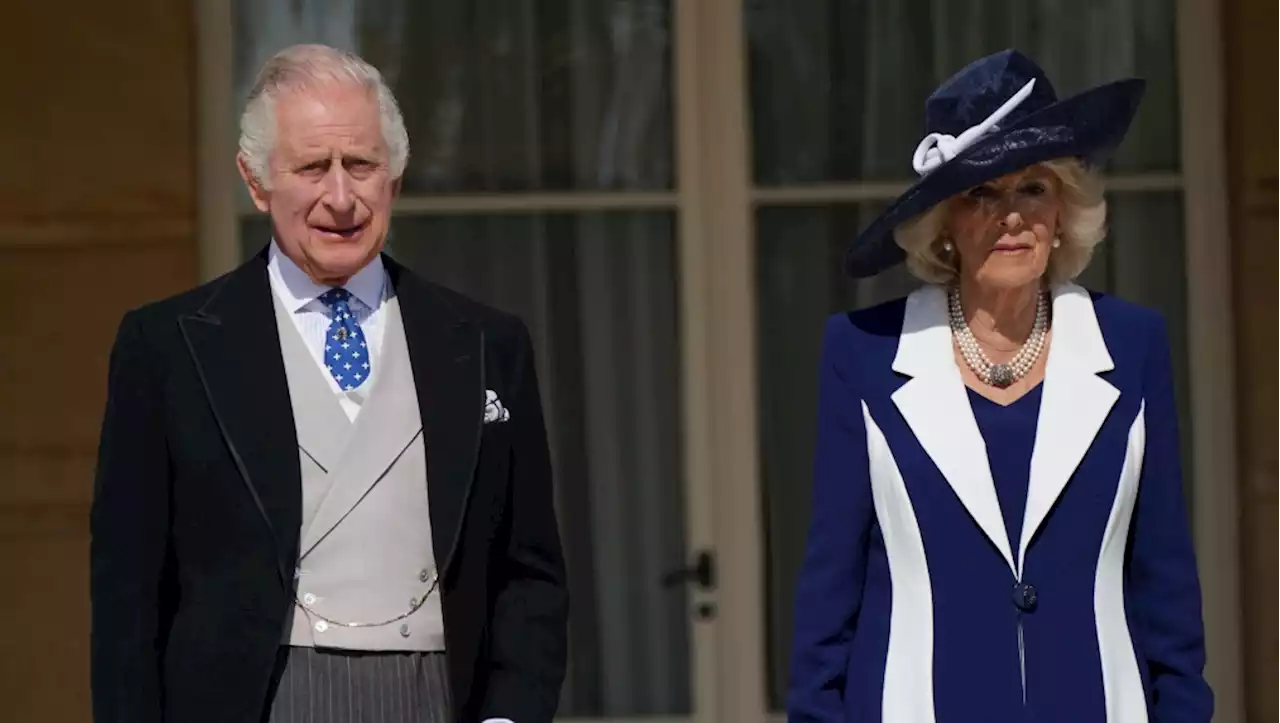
<point x="1001" y="375"/>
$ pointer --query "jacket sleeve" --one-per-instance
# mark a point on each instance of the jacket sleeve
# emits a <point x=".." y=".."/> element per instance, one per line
<point x="529" y="625"/>
<point x="829" y="590"/>
<point x="1162" y="573"/>
<point x="129" y="523"/>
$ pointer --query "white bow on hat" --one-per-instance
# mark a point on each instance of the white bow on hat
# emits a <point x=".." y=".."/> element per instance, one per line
<point x="938" y="148"/>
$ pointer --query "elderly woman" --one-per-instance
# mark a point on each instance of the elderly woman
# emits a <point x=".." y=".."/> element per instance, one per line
<point x="998" y="526"/>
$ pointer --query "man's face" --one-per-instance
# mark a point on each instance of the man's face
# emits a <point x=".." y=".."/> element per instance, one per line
<point x="330" y="182"/>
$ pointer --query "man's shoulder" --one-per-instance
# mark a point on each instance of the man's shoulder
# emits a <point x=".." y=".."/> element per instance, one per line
<point x="498" y="325"/>
<point x="468" y="307"/>
<point x="164" y="313"/>
<point x="188" y="301"/>
<point x="504" y="333"/>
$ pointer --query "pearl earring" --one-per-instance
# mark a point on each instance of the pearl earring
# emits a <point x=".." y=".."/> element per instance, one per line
<point x="1057" y="242"/>
<point x="946" y="246"/>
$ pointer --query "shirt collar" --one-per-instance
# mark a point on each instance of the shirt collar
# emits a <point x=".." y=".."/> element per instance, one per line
<point x="296" y="289"/>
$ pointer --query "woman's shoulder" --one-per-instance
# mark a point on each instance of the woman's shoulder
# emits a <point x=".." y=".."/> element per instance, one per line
<point x="862" y="343"/>
<point x="1134" y="335"/>
<point x="882" y="321"/>
<point x="1118" y="316"/>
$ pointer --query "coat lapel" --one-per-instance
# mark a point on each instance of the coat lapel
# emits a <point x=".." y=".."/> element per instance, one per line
<point x="235" y="346"/>
<point x="1074" y="405"/>
<point x="935" y="404"/>
<point x="446" y="351"/>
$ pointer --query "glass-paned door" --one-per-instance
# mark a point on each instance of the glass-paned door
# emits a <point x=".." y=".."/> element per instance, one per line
<point x="837" y="93"/>
<point x="542" y="181"/>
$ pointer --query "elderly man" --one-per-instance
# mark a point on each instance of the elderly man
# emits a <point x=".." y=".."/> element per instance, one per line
<point x="324" y="490"/>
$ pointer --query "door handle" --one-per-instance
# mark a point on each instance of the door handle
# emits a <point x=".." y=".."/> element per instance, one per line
<point x="701" y="573"/>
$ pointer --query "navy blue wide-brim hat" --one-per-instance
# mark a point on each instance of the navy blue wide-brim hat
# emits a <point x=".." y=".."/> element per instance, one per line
<point x="998" y="115"/>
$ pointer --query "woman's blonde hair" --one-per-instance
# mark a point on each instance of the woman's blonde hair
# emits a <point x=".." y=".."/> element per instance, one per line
<point x="1082" y="226"/>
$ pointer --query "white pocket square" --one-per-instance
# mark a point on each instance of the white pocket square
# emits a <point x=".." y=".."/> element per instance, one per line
<point x="493" y="409"/>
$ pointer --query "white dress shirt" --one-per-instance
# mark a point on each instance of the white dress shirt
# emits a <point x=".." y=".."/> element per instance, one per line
<point x="300" y="297"/>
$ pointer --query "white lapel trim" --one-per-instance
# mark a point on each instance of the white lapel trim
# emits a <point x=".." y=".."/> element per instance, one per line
<point x="1074" y="403"/>
<point x="935" y="404"/>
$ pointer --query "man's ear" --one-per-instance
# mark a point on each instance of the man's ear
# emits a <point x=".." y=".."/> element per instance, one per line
<point x="259" y="194"/>
<point x="396" y="185"/>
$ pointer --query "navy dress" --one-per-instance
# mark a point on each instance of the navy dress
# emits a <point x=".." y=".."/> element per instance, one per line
<point x="1010" y="432"/>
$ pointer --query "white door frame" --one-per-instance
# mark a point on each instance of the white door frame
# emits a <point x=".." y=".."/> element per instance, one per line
<point x="697" y="261"/>
<point x="718" y="236"/>
<point x="1211" y="346"/>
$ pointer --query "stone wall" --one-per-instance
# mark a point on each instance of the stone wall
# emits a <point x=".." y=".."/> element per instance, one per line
<point x="1250" y="46"/>
<point x="97" y="214"/>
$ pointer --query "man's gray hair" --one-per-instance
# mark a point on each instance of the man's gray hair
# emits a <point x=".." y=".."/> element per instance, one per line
<point x="302" y="66"/>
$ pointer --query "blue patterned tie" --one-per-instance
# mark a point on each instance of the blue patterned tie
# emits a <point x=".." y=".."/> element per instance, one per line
<point x="346" y="355"/>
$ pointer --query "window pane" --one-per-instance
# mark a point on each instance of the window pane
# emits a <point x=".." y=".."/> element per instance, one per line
<point x="800" y="282"/>
<point x="598" y="292"/>
<point x="500" y="95"/>
<point x="838" y="88"/>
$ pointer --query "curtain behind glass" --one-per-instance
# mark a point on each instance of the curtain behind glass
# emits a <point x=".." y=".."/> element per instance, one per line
<point x="838" y="86"/>
<point x="500" y="95"/>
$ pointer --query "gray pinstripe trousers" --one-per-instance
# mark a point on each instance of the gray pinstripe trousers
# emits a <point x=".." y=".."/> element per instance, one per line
<point x="348" y="686"/>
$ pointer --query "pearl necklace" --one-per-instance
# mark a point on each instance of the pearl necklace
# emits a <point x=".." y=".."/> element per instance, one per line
<point x="998" y="375"/>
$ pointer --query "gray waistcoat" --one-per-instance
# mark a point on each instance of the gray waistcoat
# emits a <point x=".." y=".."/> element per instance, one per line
<point x="366" y="552"/>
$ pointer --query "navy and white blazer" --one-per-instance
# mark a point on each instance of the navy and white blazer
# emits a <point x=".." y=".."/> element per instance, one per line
<point x="912" y="605"/>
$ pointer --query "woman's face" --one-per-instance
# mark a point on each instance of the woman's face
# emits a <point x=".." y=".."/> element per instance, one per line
<point x="1003" y="230"/>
